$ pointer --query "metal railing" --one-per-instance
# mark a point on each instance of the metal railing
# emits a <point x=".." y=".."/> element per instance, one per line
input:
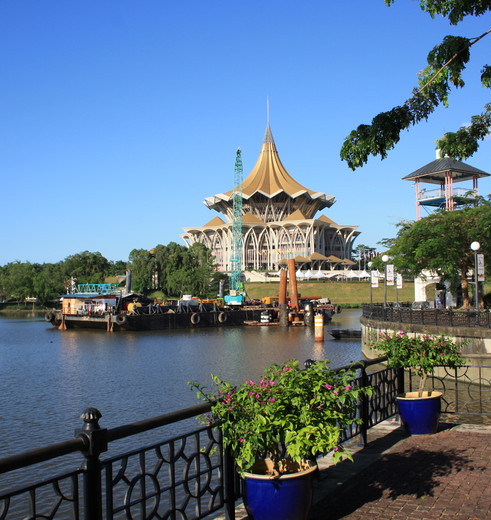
<point x="189" y="476"/>
<point x="439" y="317"/>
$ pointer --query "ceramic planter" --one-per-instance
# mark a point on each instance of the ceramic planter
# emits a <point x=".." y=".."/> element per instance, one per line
<point x="284" y="497"/>
<point x="420" y="414"/>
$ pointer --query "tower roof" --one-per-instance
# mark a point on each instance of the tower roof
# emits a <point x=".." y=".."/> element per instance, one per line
<point x="434" y="172"/>
<point x="270" y="178"/>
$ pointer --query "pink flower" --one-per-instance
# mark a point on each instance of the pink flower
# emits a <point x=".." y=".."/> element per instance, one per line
<point x="271" y="399"/>
<point x="240" y="439"/>
<point x="348" y="387"/>
<point x="335" y="392"/>
<point x="329" y="387"/>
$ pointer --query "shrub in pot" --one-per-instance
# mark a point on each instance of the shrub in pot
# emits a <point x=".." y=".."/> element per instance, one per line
<point x="421" y="354"/>
<point x="279" y="424"/>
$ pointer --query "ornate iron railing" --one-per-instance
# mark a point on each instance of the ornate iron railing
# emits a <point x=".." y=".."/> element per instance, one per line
<point x="189" y="476"/>
<point x="440" y="317"/>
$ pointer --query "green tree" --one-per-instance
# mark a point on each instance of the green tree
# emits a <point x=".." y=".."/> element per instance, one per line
<point x="200" y="262"/>
<point x="441" y="243"/>
<point x="48" y="282"/>
<point x="446" y="62"/>
<point x="86" y="267"/>
<point x="141" y="263"/>
<point x="169" y="260"/>
<point x="117" y="267"/>
<point x="16" y="280"/>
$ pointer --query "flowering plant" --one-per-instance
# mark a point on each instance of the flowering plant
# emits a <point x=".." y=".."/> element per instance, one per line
<point x="420" y="353"/>
<point x="290" y="412"/>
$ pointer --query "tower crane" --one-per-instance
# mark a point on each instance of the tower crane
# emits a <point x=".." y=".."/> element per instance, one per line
<point x="235" y="298"/>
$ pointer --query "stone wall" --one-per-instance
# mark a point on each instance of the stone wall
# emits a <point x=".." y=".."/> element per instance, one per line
<point x="476" y="342"/>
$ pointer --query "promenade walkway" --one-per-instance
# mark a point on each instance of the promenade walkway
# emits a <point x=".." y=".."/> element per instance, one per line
<point x="399" y="477"/>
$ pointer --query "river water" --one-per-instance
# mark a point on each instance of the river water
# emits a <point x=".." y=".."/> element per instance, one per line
<point x="48" y="377"/>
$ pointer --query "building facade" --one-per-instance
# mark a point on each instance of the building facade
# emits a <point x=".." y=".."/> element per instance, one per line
<point x="278" y="221"/>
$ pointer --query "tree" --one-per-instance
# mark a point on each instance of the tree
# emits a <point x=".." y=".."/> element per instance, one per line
<point x="441" y="243"/>
<point x="117" y="267"/>
<point x="16" y="280"/>
<point x="169" y="260"/>
<point x="86" y="267"/>
<point x="364" y="254"/>
<point x="141" y="262"/>
<point x="446" y="62"/>
<point x="48" y="282"/>
<point x="200" y="262"/>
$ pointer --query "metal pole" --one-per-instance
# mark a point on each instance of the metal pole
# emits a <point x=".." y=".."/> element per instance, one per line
<point x="370" y="279"/>
<point x="385" y="285"/>
<point x="476" y="291"/>
<point x="96" y="439"/>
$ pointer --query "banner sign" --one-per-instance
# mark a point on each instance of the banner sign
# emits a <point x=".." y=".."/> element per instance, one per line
<point x="374" y="278"/>
<point x="390" y="274"/>
<point x="399" y="280"/>
<point x="480" y="268"/>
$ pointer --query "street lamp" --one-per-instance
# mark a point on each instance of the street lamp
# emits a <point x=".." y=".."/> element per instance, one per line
<point x="370" y="269"/>
<point x="475" y="246"/>
<point x="385" y="259"/>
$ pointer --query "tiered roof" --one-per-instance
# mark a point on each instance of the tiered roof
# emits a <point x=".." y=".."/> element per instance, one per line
<point x="270" y="179"/>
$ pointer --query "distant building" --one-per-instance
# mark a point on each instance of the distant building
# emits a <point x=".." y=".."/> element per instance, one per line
<point x="444" y="172"/>
<point x="278" y="221"/>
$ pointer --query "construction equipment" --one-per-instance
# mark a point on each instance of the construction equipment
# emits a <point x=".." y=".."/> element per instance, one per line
<point x="236" y="287"/>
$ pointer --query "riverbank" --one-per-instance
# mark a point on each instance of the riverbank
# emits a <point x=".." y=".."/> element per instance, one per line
<point x="344" y="293"/>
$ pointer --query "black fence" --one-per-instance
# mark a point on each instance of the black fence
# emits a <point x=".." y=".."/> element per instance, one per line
<point x="407" y="314"/>
<point x="186" y="477"/>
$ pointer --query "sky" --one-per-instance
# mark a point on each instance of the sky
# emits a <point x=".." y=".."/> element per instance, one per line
<point x="119" y="117"/>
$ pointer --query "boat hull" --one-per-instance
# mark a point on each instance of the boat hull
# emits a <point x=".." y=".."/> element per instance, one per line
<point x="167" y="321"/>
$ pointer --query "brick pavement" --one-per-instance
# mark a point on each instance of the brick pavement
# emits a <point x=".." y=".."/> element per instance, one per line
<point x="423" y="477"/>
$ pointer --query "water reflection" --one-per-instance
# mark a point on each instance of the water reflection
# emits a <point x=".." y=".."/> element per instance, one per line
<point x="48" y="377"/>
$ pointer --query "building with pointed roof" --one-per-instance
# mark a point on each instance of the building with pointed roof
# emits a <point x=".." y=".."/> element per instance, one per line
<point x="278" y="220"/>
<point x="444" y="172"/>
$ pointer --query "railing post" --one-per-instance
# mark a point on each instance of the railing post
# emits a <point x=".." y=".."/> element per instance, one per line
<point x="401" y="387"/>
<point x="364" y="411"/>
<point x="228" y="483"/>
<point x="96" y="441"/>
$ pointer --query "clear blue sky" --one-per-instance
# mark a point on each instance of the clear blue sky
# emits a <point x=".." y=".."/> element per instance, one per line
<point x="118" y="117"/>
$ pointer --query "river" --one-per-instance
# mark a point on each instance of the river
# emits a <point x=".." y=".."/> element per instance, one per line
<point x="48" y="377"/>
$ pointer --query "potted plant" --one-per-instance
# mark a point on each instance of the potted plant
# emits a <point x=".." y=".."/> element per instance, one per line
<point x="277" y="426"/>
<point x="420" y="353"/>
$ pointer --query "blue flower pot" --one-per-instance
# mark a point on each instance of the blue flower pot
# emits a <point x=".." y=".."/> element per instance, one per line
<point x="287" y="497"/>
<point x="420" y="415"/>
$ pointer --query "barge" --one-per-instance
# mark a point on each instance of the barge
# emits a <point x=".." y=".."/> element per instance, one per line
<point x="105" y="307"/>
<point x="101" y="306"/>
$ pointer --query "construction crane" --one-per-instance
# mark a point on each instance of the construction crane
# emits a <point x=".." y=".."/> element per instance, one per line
<point x="235" y="298"/>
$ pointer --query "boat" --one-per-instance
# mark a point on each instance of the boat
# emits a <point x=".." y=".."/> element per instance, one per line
<point x="103" y="306"/>
<point x="345" y="333"/>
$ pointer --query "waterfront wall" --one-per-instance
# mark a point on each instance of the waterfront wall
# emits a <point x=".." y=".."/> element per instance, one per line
<point x="475" y="341"/>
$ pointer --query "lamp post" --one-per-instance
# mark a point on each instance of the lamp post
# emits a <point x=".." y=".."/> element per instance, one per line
<point x="370" y="269"/>
<point x="475" y="246"/>
<point x="385" y="259"/>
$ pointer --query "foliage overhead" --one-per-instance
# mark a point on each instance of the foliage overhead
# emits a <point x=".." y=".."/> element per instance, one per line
<point x="446" y="63"/>
<point x="288" y="412"/>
